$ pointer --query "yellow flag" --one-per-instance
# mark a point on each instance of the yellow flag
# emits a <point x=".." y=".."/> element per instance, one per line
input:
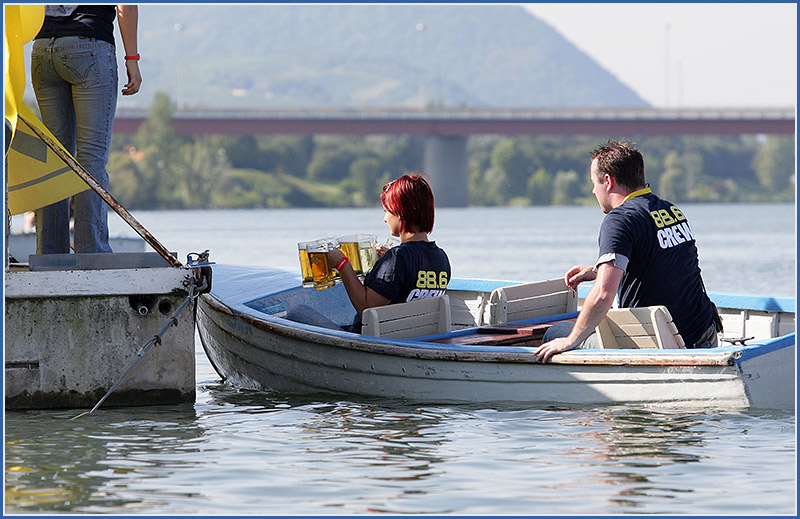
<point x="35" y="175"/>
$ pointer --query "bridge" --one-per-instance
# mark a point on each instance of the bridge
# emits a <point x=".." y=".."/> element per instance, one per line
<point x="447" y="130"/>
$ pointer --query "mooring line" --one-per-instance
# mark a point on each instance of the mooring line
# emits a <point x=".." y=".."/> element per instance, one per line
<point x="194" y="292"/>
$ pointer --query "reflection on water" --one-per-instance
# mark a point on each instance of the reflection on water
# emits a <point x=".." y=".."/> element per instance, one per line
<point x="58" y="465"/>
<point x="244" y="452"/>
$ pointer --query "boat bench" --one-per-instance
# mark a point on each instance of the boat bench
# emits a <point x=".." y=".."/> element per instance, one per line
<point x="417" y="318"/>
<point x="649" y="327"/>
<point x="531" y="300"/>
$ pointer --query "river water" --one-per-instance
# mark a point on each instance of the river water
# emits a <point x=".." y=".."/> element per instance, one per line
<point x="265" y="453"/>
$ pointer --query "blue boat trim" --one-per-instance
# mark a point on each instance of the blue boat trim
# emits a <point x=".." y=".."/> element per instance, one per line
<point x="750" y="352"/>
<point x="478" y="285"/>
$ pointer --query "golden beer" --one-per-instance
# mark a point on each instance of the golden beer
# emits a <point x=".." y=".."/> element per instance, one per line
<point x="320" y="265"/>
<point x="305" y="265"/>
<point x="349" y="247"/>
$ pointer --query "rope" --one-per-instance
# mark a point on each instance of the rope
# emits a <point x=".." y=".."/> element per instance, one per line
<point x="194" y="292"/>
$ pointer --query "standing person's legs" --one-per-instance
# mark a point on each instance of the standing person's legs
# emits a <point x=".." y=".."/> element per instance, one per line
<point x="54" y="97"/>
<point x="94" y="96"/>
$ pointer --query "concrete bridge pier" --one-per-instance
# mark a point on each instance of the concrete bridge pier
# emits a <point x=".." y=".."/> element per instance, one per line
<point x="445" y="162"/>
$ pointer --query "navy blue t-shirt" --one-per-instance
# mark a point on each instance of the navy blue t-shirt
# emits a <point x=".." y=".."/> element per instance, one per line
<point x="409" y="271"/>
<point x="91" y="21"/>
<point x="650" y="239"/>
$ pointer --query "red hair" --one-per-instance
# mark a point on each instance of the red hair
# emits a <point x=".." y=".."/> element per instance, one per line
<point x="410" y="198"/>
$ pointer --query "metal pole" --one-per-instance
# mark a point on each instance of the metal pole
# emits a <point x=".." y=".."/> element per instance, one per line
<point x="105" y="195"/>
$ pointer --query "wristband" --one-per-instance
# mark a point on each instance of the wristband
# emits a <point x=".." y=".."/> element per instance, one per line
<point x="132" y="58"/>
<point x="342" y="263"/>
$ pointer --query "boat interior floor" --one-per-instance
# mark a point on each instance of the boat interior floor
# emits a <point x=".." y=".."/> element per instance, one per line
<point x="507" y="334"/>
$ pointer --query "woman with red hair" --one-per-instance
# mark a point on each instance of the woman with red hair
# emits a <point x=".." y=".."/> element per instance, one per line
<point x="415" y="269"/>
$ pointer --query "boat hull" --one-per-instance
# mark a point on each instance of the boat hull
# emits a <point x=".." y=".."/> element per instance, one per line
<point x="273" y="353"/>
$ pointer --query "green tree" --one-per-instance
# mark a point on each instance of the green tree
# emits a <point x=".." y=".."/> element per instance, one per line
<point x="774" y="164"/>
<point x="363" y="183"/>
<point x="672" y="185"/>
<point x="331" y="164"/>
<point x="566" y="187"/>
<point x="540" y="187"/>
<point x="511" y="166"/>
<point x="199" y="168"/>
<point x="157" y="131"/>
<point x="124" y="179"/>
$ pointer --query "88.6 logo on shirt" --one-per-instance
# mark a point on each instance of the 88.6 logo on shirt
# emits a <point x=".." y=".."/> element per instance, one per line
<point x="429" y="284"/>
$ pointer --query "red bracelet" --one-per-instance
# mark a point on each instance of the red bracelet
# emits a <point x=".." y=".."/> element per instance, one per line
<point x="342" y="262"/>
<point x="132" y="58"/>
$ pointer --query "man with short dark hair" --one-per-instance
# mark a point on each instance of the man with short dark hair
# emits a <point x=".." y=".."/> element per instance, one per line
<point x="647" y="257"/>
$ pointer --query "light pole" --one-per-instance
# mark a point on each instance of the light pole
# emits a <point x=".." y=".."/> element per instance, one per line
<point x="178" y="27"/>
<point x="423" y="65"/>
<point x="666" y="65"/>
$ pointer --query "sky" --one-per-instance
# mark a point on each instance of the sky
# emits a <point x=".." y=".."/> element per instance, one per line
<point x="686" y="55"/>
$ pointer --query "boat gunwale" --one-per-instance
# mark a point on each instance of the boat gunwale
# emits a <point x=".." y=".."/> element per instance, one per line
<point x="424" y="349"/>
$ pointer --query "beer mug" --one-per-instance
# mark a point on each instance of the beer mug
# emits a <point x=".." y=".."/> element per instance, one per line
<point x="333" y="243"/>
<point x="305" y="265"/>
<point x="367" y="252"/>
<point x="321" y="270"/>
<point x="349" y="245"/>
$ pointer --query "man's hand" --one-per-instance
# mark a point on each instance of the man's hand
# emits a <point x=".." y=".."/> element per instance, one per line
<point x="578" y="274"/>
<point x="548" y="349"/>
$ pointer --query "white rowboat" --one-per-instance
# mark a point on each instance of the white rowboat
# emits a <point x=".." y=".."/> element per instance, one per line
<point x="250" y="344"/>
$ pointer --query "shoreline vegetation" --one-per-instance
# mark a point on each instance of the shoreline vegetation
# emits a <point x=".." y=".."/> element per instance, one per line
<point x="158" y="169"/>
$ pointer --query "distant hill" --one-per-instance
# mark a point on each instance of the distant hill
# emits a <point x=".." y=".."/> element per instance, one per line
<point x="365" y="56"/>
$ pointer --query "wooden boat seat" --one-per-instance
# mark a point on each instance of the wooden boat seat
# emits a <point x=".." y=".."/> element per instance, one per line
<point x="530" y="300"/>
<point x="649" y="327"/>
<point x="408" y="320"/>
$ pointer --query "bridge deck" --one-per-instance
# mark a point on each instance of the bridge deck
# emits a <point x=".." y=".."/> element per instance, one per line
<point x="465" y="122"/>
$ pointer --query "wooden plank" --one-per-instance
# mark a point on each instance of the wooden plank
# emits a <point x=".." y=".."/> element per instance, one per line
<point x="530" y="300"/>
<point x="406" y="320"/>
<point x="514" y="329"/>
<point x="540" y="287"/>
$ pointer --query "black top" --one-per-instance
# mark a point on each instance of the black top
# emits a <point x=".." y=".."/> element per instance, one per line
<point x="91" y="21"/>
<point x="409" y="271"/>
<point x="650" y="239"/>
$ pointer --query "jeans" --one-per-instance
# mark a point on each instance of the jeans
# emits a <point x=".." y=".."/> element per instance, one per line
<point x="710" y="339"/>
<point x="564" y="328"/>
<point x="307" y="315"/>
<point x="75" y="81"/>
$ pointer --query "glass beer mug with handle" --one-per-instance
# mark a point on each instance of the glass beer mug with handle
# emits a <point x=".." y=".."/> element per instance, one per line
<point x="322" y="272"/>
<point x="349" y="247"/>
<point x="305" y="264"/>
<point x="367" y="252"/>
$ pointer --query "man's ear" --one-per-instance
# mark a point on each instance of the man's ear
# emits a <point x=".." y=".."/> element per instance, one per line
<point x="610" y="182"/>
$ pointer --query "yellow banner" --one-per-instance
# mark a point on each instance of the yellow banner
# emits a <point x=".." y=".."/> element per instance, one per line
<point x="35" y="175"/>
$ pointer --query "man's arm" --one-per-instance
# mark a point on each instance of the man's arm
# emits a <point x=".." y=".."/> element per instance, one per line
<point x="595" y="307"/>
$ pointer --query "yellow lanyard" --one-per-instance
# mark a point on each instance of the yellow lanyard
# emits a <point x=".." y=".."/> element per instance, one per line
<point x="645" y="191"/>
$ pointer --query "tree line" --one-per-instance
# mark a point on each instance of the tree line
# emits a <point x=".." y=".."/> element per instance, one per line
<point x="158" y="169"/>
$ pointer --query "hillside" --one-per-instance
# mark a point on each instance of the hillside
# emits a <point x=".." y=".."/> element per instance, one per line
<point x="364" y="55"/>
